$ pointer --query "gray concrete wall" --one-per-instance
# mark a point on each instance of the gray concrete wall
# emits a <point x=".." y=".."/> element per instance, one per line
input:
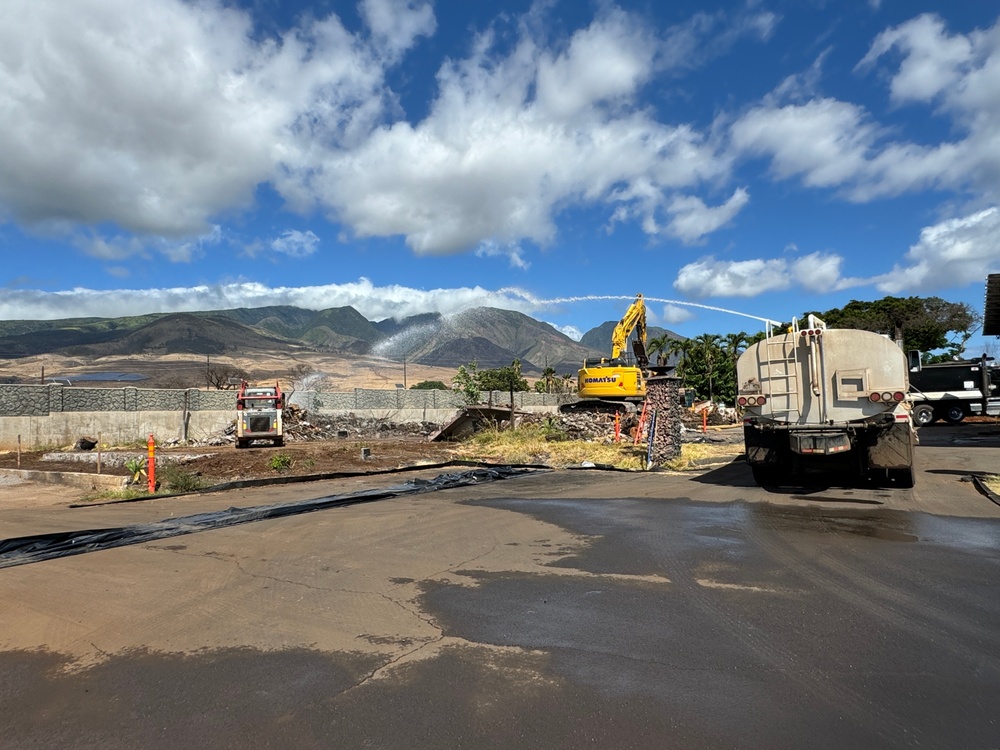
<point x="45" y="416"/>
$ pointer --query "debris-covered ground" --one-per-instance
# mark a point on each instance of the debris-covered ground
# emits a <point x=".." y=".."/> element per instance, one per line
<point x="321" y="444"/>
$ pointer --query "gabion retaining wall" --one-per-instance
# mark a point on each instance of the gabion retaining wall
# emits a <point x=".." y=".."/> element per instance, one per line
<point x="662" y="398"/>
<point x="42" y="400"/>
<point x="32" y="416"/>
<point x="364" y="398"/>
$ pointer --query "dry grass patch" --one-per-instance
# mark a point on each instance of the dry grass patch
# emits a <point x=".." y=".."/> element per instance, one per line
<point x="993" y="482"/>
<point x="694" y="455"/>
<point x="539" y="445"/>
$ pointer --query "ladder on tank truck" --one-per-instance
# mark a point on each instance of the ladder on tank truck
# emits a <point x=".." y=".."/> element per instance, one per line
<point x="780" y="368"/>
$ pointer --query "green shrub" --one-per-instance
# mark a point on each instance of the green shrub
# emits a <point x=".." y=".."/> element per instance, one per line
<point x="176" y="478"/>
<point x="429" y="385"/>
<point x="280" y="462"/>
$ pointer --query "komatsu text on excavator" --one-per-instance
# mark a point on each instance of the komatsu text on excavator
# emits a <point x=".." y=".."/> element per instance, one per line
<point x="618" y="379"/>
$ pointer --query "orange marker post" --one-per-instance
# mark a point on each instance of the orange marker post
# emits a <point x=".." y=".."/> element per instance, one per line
<point x="151" y="465"/>
<point x="704" y="420"/>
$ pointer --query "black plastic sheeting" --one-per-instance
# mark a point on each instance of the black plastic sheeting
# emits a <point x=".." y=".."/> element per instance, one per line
<point x="29" y="549"/>
<point x="240" y="484"/>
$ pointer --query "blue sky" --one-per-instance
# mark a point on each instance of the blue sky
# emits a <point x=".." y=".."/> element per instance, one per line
<point x="401" y="156"/>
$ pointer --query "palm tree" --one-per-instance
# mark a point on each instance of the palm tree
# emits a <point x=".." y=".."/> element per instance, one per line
<point x="680" y="347"/>
<point x="657" y="344"/>
<point x="734" y="344"/>
<point x="708" y="347"/>
<point x="549" y="374"/>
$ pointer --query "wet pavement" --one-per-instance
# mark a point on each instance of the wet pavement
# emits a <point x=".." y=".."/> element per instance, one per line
<point x="557" y="611"/>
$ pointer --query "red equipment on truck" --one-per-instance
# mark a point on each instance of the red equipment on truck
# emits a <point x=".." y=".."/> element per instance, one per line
<point x="258" y="414"/>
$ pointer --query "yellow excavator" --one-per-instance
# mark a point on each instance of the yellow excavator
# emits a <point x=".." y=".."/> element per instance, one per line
<point x="615" y="379"/>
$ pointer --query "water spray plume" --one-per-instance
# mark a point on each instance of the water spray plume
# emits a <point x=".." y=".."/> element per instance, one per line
<point x="528" y="297"/>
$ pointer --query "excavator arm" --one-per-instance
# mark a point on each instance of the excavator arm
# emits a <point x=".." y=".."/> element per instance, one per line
<point x="634" y="319"/>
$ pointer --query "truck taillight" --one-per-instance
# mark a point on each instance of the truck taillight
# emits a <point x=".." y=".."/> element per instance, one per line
<point x="886" y="396"/>
<point x="742" y="401"/>
<point x="751" y="400"/>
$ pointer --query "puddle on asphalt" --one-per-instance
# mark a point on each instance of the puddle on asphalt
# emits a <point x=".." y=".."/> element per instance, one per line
<point x="890" y="525"/>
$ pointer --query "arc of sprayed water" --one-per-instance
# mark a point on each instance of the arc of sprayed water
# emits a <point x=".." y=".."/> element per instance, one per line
<point x="596" y="297"/>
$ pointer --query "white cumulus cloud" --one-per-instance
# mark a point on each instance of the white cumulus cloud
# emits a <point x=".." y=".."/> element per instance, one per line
<point x="673" y="314"/>
<point x="709" y="277"/>
<point x="396" y="24"/>
<point x="295" y="244"/>
<point x="816" y="272"/>
<point x="952" y="253"/>
<point x="160" y="115"/>
<point x="829" y="143"/>
<point x="158" y="118"/>
<point x="374" y="302"/>
<point x="511" y="251"/>
<point x="691" y="219"/>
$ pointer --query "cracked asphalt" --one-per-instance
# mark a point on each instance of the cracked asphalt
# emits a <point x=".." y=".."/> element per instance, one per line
<point x="562" y="610"/>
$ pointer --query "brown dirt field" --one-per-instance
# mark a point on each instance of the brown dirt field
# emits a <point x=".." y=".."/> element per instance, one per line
<point x="334" y="372"/>
<point x="222" y="464"/>
<point x="217" y="464"/>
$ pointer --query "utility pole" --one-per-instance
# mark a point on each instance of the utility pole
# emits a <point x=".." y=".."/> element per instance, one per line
<point x="404" y="372"/>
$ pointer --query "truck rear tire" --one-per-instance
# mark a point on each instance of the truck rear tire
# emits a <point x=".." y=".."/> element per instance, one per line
<point x="903" y="478"/>
<point x="764" y="475"/>
<point x="954" y="413"/>
<point x="241" y="443"/>
<point x="923" y="414"/>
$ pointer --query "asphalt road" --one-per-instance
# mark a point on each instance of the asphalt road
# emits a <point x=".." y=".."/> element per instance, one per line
<point x="562" y="610"/>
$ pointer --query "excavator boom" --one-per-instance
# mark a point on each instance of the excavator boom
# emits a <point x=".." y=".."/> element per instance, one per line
<point x="634" y="319"/>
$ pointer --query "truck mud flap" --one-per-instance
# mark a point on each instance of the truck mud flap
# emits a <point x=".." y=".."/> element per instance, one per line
<point x="761" y="446"/>
<point x="893" y="448"/>
<point x="29" y="549"/>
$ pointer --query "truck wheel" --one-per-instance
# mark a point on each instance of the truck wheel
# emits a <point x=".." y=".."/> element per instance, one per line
<point x="763" y="475"/>
<point x="954" y="413"/>
<point x="923" y="414"/>
<point x="278" y="442"/>
<point x="902" y="478"/>
<point x="241" y="443"/>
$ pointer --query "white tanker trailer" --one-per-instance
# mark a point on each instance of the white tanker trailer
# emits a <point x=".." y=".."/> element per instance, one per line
<point x="821" y="399"/>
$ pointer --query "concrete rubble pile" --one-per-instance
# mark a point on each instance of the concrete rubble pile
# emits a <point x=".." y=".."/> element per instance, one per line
<point x="301" y="425"/>
<point x="716" y="415"/>
<point x="580" y="425"/>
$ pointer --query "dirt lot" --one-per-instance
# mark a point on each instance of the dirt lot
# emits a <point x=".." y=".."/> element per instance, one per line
<point x="226" y="463"/>
<point x="329" y="372"/>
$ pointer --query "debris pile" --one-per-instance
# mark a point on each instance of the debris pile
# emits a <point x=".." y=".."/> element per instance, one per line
<point x="597" y="426"/>
<point x="300" y="424"/>
<point x="716" y="415"/>
<point x="582" y="425"/>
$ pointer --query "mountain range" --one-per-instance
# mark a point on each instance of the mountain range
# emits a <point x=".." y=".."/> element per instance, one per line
<point x="490" y="337"/>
